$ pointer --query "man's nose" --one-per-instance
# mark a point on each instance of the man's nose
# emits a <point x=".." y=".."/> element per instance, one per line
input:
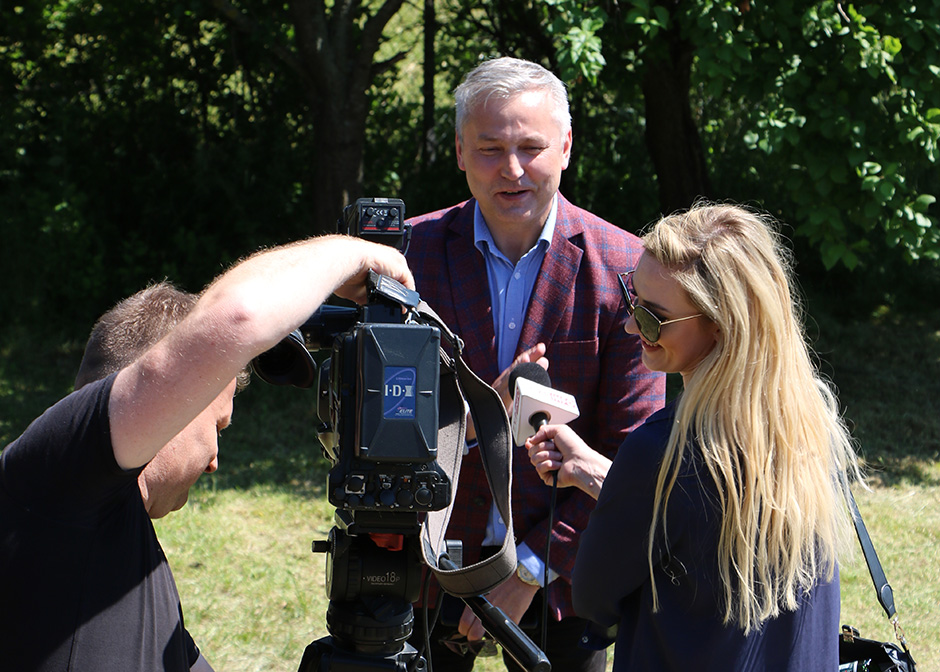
<point x="512" y="166"/>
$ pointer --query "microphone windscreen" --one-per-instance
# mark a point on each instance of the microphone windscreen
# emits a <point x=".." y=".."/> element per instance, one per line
<point x="529" y="371"/>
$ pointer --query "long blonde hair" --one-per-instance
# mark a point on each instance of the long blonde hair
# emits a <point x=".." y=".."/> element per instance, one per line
<point x="767" y="425"/>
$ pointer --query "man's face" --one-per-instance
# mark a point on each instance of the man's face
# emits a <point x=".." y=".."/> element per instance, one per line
<point x="513" y="152"/>
<point x="166" y="480"/>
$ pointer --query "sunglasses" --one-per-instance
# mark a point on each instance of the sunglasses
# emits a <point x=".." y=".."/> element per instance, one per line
<point x="647" y="322"/>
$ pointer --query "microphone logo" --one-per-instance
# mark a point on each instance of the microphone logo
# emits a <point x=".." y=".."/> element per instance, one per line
<point x="535" y="403"/>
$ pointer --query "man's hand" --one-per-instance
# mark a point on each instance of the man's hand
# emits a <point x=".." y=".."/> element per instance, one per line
<point x="534" y="354"/>
<point x="382" y="259"/>
<point x="512" y="596"/>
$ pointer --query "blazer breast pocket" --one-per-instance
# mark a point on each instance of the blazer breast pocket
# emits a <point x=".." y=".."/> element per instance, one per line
<point x="574" y="366"/>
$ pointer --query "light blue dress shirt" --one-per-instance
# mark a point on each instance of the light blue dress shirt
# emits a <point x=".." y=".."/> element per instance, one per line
<point x="510" y="289"/>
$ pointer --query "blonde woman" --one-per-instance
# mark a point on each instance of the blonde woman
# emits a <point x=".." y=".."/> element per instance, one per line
<point x="715" y="538"/>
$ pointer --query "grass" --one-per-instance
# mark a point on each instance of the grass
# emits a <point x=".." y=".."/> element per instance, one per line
<point x="253" y="593"/>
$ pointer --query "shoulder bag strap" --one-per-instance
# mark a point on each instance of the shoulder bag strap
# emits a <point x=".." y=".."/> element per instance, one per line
<point x="882" y="588"/>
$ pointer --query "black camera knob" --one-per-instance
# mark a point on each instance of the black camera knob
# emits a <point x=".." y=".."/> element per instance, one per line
<point x="405" y="498"/>
<point x="387" y="498"/>
<point x="355" y="484"/>
<point x="423" y="496"/>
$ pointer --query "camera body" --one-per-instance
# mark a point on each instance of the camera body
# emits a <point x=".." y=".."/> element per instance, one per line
<point x="377" y="390"/>
<point x="378" y="404"/>
<point x="380" y="220"/>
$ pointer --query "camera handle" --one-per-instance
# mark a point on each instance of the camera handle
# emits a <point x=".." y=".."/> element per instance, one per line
<point x="504" y="630"/>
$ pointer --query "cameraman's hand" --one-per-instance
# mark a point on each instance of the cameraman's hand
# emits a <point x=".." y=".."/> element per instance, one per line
<point x="382" y="259"/>
<point x="534" y="354"/>
<point x="557" y="448"/>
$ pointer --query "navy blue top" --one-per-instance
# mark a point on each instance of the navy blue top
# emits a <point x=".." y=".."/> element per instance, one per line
<point x="611" y="582"/>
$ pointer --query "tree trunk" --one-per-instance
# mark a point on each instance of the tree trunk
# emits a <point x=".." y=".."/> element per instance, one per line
<point x="429" y="135"/>
<point x="333" y="64"/>
<point x="671" y="135"/>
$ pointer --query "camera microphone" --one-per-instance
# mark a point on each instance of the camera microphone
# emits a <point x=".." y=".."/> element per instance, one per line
<point x="535" y="403"/>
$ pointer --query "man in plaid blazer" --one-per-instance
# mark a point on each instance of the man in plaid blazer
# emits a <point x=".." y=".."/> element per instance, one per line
<point x="521" y="274"/>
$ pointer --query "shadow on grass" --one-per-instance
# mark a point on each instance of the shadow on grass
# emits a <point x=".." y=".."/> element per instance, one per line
<point x="886" y="366"/>
<point x="272" y="441"/>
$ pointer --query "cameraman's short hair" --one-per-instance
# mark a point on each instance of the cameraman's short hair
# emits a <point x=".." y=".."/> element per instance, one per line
<point x="504" y="78"/>
<point x="128" y="330"/>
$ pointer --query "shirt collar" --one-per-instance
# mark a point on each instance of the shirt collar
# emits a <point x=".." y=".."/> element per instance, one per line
<point x="483" y="239"/>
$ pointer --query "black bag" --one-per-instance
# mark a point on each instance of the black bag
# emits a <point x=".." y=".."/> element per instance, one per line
<point x="868" y="655"/>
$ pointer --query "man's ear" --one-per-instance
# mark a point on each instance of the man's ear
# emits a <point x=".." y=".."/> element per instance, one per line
<point x="566" y="149"/>
<point x="459" y="147"/>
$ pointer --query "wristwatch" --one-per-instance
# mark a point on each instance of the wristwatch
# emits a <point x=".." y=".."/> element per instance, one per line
<point x="526" y="576"/>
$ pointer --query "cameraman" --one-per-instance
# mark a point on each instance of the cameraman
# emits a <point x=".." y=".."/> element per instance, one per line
<point x="84" y="584"/>
<point x="522" y="274"/>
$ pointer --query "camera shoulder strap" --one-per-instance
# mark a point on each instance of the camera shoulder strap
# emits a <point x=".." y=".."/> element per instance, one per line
<point x="460" y="388"/>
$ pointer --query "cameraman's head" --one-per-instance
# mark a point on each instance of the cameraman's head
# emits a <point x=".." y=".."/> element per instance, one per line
<point x="118" y="338"/>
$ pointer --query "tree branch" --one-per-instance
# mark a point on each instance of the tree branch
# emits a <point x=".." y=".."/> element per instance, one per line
<point x="245" y="24"/>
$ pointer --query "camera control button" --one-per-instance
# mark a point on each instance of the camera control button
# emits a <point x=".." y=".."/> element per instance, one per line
<point x="423" y="496"/>
<point x="405" y="498"/>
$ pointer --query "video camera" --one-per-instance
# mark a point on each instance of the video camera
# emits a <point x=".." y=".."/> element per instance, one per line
<point x="377" y="401"/>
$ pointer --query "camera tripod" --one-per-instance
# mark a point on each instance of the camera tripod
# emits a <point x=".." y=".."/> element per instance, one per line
<point x="370" y="615"/>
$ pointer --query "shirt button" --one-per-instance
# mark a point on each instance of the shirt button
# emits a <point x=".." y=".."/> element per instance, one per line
<point x="512" y="325"/>
<point x="517" y="275"/>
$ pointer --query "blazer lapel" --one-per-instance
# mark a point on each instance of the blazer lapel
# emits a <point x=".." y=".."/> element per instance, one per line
<point x="470" y="295"/>
<point x="554" y="286"/>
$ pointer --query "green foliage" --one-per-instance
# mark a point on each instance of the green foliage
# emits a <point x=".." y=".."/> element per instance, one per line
<point x="134" y="147"/>
<point x="576" y="28"/>
<point x="833" y="122"/>
<point x="157" y="140"/>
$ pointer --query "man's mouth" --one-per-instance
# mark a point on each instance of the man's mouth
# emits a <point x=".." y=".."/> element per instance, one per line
<point x="512" y="194"/>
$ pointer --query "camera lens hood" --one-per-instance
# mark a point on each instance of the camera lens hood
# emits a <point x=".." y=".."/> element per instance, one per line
<point x="287" y="363"/>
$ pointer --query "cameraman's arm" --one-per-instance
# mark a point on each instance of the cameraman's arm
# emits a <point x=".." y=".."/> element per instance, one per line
<point x="245" y="312"/>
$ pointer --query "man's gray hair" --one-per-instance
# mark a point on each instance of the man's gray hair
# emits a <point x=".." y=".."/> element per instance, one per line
<point x="503" y="78"/>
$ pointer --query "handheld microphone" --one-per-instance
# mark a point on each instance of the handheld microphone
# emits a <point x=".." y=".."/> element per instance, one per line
<point x="535" y="403"/>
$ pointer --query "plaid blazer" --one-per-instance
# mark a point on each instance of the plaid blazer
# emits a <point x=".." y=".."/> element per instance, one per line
<point x="576" y="309"/>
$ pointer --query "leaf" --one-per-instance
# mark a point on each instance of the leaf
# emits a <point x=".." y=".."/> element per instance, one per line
<point x="923" y="202"/>
<point x="832" y="253"/>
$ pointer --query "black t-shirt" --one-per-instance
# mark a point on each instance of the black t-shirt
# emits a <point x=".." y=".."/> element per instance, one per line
<point x="84" y="583"/>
